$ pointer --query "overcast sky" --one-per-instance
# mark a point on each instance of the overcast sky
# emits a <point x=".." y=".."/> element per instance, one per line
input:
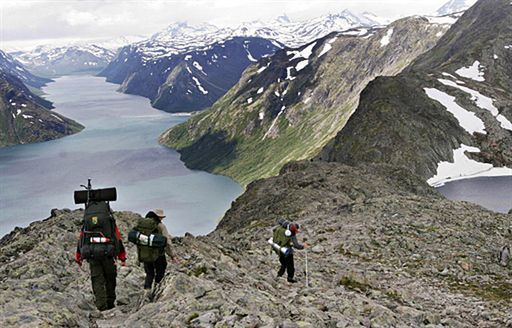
<point x="25" y="22"/>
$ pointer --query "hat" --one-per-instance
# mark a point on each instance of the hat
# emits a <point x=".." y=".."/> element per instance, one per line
<point x="294" y="228"/>
<point x="159" y="212"/>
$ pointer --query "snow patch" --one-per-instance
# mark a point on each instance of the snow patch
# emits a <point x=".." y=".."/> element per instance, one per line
<point x="289" y="73"/>
<point x="274" y="122"/>
<point x="387" y="38"/>
<point x="199" y="67"/>
<point x="327" y="47"/>
<point x="199" y="86"/>
<point x="304" y="53"/>
<point x="57" y="117"/>
<point x="261" y="116"/>
<point x="249" y="101"/>
<point x="472" y="72"/>
<point x="467" y="120"/>
<point x="260" y="90"/>
<point x="462" y="168"/>
<point x="300" y="65"/>
<point x="27" y="116"/>
<point x="482" y="102"/>
<point x="188" y="57"/>
<point x="261" y="69"/>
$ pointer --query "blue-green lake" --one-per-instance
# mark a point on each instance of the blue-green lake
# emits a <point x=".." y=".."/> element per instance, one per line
<point x="118" y="148"/>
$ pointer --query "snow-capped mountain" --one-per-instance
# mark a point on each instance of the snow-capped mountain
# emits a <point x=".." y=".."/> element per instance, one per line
<point x="71" y="58"/>
<point x="177" y="80"/>
<point x="13" y="67"/>
<point x="454" y="6"/>
<point x="49" y="60"/>
<point x="147" y="67"/>
<point x="295" y="34"/>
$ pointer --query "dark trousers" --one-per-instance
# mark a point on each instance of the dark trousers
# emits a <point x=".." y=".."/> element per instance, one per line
<point x="103" y="278"/>
<point x="155" y="271"/>
<point x="286" y="264"/>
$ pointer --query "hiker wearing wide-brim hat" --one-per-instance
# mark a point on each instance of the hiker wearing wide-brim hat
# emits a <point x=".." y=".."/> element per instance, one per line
<point x="154" y="259"/>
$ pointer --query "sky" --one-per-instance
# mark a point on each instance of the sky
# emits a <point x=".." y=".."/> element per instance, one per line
<point x="33" y="22"/>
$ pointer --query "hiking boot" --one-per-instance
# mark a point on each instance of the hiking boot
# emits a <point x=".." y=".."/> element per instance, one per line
<point x="291" y="280"/>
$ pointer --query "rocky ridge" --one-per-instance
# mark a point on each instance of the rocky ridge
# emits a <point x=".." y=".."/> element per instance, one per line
<point x="448" y="106"/>
<point x="288" y="106"/>
<point x="387" y="251"/>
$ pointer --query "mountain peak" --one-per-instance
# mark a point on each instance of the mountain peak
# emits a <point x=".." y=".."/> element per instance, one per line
<point x="454" y="6"/>
<point x="283" y="19"/>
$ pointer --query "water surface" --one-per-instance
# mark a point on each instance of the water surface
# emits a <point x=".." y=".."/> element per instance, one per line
<point x="494" y="193"/>
<point x="119" y="148"/>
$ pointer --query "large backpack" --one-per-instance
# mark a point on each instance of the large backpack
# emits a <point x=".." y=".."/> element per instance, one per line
<point x="98" y="238"/>
<point x="148" y="226"/>
<point x="279" y="237"/>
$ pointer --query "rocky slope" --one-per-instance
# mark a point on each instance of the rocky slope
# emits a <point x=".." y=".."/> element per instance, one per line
<point x="288" y="106"/>
<point x="450" y="106"/>
<point x="26" y="118"/>
<point x="387" y="251"/>
<point x="13" y="67"/>
<point x="185" y="80"/>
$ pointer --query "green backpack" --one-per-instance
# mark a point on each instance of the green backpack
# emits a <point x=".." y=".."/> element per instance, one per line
<point x="279" y="237"/>
<point x="148" y="226"/>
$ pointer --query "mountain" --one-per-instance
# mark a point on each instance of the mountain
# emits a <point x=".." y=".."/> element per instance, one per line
<point x="288" y="106"/>
<point x="454" y="6"/>
<point x="386" y="251"/>
<point x="155" y="68"/>
<point x="11" y="66"/>
<point x="64" y="60"/>
<point x="26" y="118"/>
<point x="187" y="76"/>
<point x="295" y="34"/>
<point x="449" y="114"/>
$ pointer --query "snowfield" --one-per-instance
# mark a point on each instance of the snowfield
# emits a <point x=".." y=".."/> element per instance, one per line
<point x="463" y="168"/>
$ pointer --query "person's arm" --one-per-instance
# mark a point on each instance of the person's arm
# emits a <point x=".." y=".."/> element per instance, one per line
<point x="165" y="233"/>
<point x="296" y="243"/>
<point x="122" y="252"/>
<point x="78" y="254"/>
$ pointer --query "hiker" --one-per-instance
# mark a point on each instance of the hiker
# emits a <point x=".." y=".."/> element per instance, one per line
<point x="100" y="244"/>
<point x="153" y="258"/>
<point x="285" y="235"/>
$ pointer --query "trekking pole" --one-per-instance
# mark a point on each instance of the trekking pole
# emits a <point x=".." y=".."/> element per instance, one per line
<point x="307" y="283"/>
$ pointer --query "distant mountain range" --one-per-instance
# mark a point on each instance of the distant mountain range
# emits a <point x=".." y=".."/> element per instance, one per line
<point x="454" y="6"/>
<point x="75" y="58"/>
<point x="188" y="67"/>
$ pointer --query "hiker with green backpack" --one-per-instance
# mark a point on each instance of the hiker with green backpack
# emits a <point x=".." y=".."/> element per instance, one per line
<point x="153" y="242"/>
<point x="284" y="239"/>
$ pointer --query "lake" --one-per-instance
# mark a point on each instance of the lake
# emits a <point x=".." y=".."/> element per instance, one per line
<point x="118" y="148"/>
<point x="494" y="193"/>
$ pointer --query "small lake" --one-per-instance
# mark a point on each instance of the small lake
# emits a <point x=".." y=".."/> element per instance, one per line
<point x="494" y="193"/>
<point x="118" y="148"/>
